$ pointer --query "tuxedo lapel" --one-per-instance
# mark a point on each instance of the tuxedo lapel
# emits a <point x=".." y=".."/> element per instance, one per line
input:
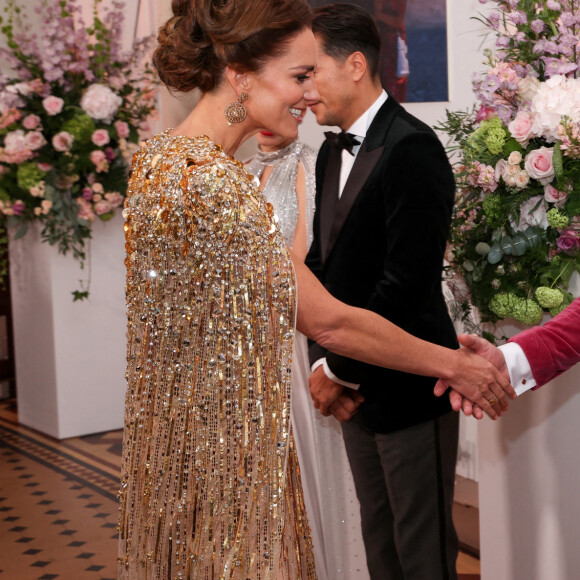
<point x="329" y="198"/>
<point x="336" y="212"/>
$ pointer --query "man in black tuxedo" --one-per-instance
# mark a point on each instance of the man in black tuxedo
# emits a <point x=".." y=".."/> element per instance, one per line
<point x="385" y="190"/>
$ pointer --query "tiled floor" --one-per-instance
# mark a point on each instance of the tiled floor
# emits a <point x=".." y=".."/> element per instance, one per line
<point x="58" y="505"/>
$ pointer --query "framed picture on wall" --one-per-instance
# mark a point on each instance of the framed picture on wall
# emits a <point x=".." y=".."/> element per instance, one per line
<point x="414" y="47"/>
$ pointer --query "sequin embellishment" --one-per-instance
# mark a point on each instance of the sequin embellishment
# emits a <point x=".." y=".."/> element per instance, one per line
<point x="210" y="483"/>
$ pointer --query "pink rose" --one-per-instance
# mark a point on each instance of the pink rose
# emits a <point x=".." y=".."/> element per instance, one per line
<point x="484" y="114"/>
<point x="46" y="167"/>
<point x="539" y="164"/>
<point x="110" y="153"/>
<point x="62" y="141"/>
<point x="35" y="140"/>
<point x="568" y="242"/>
<point x="122" y="129"/>
<point x="99" y="159"/>
<point x="100" y="137"/>
<point x="18" y="207"/>
<point x="114" y="198"/>
<point x="521" y="127"/>
<point x="102" y="207"/>
<point x="31" y="122"/>
<point x="53" y="105"/>
<point x="555" y="196"/>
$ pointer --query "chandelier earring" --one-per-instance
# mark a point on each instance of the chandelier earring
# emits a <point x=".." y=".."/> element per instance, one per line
<point x="236" y="112"/>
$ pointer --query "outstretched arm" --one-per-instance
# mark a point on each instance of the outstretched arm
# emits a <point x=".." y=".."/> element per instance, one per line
<point x="366" y="336"/>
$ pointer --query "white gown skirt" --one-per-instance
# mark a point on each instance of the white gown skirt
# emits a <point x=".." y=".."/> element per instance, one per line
<point x="331" y="503"/>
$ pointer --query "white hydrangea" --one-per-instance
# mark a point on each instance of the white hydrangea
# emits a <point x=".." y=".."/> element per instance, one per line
<point x="101" y="103"/>
<point x="559" y="96"/>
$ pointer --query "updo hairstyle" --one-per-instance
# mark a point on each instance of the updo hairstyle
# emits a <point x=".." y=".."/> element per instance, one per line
<point x="204" y="36"/>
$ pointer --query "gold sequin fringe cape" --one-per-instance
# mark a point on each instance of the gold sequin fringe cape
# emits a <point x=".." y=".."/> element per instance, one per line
<point x="210" y="481"/>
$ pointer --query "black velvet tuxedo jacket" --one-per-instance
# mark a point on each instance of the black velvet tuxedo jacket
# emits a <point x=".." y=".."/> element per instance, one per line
<point x="381" y="247"/>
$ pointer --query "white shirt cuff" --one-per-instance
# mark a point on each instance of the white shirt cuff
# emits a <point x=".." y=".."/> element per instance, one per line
<point x="322" y="362"/>
<point x="518" y="367"/>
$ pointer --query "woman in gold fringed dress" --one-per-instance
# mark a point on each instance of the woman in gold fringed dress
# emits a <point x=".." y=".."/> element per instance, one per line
<point x="210" y="483"/>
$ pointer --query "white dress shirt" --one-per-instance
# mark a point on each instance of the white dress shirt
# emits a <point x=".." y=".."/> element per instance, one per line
<point x="521" y="376"/>
<point x="359" y="129"/>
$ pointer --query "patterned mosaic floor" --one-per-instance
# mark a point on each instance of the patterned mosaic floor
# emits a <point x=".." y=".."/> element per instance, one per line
<point x="58" y="505"/>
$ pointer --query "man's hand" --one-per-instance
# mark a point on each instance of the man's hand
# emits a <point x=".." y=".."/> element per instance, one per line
<point x="324" y="391"/>
<point x="477" y="383"/>
<point x="346" y="406"/>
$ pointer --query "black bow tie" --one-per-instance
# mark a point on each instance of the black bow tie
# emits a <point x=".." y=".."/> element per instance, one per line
<point x="342" y="140"/>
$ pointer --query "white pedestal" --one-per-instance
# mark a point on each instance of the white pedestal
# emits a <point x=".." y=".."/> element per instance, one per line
<point x="529" y="477"/>
<point x="70" y="356"/>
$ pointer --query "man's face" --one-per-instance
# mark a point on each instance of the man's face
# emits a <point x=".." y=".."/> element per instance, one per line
<point x="332" y="79"/>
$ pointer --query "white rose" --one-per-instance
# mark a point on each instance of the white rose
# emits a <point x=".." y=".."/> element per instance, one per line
<point x="522" y="179"/>
<point x="101" y="103"/>
<point x="515" y="158"/>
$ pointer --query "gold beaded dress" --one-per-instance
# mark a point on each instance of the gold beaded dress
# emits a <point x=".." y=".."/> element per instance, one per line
<point x="210" y="484"/>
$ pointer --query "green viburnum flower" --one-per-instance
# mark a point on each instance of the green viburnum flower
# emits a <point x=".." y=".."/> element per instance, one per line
<point x="492" y="208"/>
<point x="29" y="175"/>
<point x="556" y="219"/>
<point x="81" y="127"/>
<point x="502" y="304"/>
<point x="549" y="297"/>
<point x="527" y="311"/>
<point x="557" y="309"/>
<point x="495" y="140"/>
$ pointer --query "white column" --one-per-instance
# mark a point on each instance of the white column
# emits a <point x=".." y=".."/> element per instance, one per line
<point x="529" y="476"/>
<point x="70" y="356"/>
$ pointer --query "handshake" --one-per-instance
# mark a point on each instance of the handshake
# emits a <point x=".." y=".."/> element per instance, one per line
<point x="474" y="386"/>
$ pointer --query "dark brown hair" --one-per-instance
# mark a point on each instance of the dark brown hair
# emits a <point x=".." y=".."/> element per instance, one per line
<point x="347" y="28"/>
<point x="204" y="36"/>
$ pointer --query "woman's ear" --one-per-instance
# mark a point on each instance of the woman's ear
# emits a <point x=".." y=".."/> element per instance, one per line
<point x="239" y="81"/>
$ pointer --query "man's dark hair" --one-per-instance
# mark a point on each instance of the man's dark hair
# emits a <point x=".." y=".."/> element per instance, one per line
<point x="347" y="28"/>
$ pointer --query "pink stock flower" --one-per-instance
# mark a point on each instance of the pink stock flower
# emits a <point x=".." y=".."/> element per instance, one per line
<point x="36" y="86"/>
<point x="85" y="210"/>
<point x="539" y="164"/>
<point x="100" y="137"/>
<point x="31" y="122"/>
<point x="87" y="193"/>
<point x="53" y="105"/>
<point x="63" y="141"/>
<point x="8" y="117"/>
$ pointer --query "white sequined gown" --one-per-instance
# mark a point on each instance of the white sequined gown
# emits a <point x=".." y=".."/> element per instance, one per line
<point x="329" y="494"/>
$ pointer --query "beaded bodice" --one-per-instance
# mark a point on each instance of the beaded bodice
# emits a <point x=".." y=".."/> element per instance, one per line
<point x="280" y="189"/>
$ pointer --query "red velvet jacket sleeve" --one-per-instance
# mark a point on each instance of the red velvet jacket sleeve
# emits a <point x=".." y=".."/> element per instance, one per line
<point x="554" y="347"/>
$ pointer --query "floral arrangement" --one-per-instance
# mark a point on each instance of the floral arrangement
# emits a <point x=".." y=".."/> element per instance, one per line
<point x="70" y="113"/>
<point x="516" y="225"/>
